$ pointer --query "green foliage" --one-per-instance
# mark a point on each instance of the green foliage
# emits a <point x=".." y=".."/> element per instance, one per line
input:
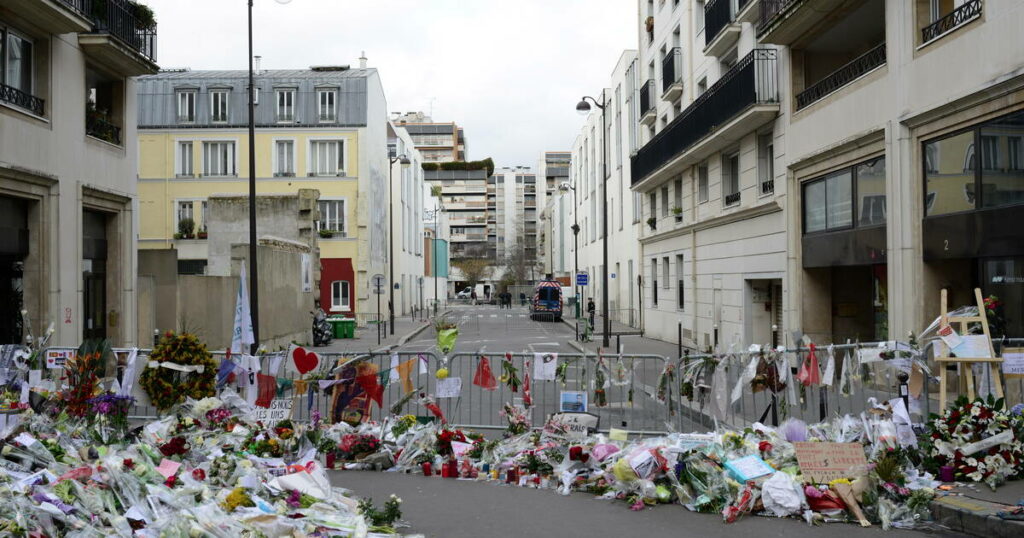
<point x="384" y="517"/>
<point x="186" y="226"/>
<point x="485" y="164"/>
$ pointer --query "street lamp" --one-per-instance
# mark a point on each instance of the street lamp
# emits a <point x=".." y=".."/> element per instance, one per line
<point x="583" y="107"/>
<point x="565" y="187"/>
<point x="254" y="295"/>
<point x="391" y="238"/>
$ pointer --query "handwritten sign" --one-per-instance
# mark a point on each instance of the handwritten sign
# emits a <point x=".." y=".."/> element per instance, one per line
<point x="824" y="462"/>
<point x="449" y="388"/>
<point x="577" y="425"/>
<point x="56" y="358"/>
<point x="279" y="410"/>
<point x="1013" y="361"/>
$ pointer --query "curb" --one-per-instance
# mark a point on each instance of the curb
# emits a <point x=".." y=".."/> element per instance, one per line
<point x="975" y="517"/>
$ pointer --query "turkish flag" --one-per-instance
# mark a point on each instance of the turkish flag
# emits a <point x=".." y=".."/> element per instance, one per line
<point x="484" y="378"/>
<point x="372" y="387"/>
<point x="267" y="388"/>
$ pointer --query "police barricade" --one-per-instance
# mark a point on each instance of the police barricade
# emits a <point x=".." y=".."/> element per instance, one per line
<point x="620" y="391"/>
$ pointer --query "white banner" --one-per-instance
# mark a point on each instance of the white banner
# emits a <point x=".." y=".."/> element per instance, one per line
<point x="241" y="336"/>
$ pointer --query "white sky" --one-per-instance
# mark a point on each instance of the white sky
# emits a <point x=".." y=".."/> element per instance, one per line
<point x="509" y="71"/>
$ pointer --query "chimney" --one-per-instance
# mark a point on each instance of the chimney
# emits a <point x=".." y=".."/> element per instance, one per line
<point x="256" y="66"/>
<point x="362" y="61"/>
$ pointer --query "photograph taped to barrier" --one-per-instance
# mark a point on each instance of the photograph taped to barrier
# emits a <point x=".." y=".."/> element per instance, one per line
<point x="572" y="401"/>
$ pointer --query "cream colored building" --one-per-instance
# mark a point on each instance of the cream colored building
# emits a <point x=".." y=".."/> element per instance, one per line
<point x="68" y="150"/>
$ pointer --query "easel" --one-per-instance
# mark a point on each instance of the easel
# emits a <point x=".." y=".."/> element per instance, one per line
<point x="966" y="363"/>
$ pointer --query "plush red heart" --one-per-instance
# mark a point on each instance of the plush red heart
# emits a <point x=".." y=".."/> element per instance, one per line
<point x="305" y="361"/>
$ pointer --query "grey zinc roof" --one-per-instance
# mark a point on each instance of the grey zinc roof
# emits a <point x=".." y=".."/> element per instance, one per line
<point x="158" y="108"/>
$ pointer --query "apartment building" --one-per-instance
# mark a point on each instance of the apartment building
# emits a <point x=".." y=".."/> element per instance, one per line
<point x="916" y="106"/>
<point x="512" y="197"/>
<point x="67" y="167"/>
<point x="324" y="128"/>
<point x="463" y="195"/>
<point x="407" y="193"/>
<point x="554" y="238"/>
<point x="438" y="142"/>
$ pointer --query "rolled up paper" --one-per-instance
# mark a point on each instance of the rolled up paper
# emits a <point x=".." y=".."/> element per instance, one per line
<point x="845" y="492"/>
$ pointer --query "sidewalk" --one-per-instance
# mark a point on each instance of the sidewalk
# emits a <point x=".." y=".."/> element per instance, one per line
<point x="366" y="337"/>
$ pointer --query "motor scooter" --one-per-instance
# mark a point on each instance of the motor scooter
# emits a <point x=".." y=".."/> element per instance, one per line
<point x="322" y="330"/>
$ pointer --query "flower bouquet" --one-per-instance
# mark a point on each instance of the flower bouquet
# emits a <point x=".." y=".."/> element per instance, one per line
<point x="981" y="440"/>
<point x="447" y="334"/>
<point x="356" y="446"/>
<point x="518" y="419"/>
<point x="445" y="436"/>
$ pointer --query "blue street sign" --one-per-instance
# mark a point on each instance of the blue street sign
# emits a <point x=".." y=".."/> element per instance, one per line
<point x="582" y="279"/>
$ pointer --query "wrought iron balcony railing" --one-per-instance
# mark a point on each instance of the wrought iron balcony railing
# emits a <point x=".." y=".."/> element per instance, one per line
<point x="770" y="9"/>
<point x="83" y="7"/>
<point x="733" y="198"/>
<point x="966" y="12"/>
<point x="768" y="186"/>
<point x="751" y="82"/>
<point x="97" y="127"/>
<point x="647" y="97"/>
<point x="846" y="74"/>
<point x="671" y="69"/>
<point x="18" y="98"/>
<point x="118" y="19"/>
<point x="717" y="15"/>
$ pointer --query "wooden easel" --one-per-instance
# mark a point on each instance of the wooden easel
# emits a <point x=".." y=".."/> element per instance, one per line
<point x="961" y="324"/>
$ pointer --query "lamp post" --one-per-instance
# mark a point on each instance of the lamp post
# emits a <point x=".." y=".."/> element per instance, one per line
<point x="391" y="238"/>
<point x="254" y="295"/>
<point x="566" y="186"/>
<point x="583" y="107"/>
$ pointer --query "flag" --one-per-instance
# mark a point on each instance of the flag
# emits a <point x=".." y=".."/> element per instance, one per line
<point x="224" y="372"/>
<point x="267" y="387"/>
<point x="394" y="367"/>
<point x="370" y="384"/>
<point x="404" y="370"/>
<point x="810" y="372"/>
<point x="484" y="378"/>
<point x="242" y="337"/>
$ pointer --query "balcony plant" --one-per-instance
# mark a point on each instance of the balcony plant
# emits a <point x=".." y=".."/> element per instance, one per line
<point x="326" y="234"/>
<point x="202" y="234"/>
<point x="652" y="222"/>
<point x="185" y="228"/>
<point x="678" y="212"/>
<point x="144" y="19"/>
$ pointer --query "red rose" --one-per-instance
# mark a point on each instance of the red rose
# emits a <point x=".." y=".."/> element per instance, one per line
<point x="128" y="463"/>
<point x="199" y="474"/>
<point x="764" y="446"/>
<point x="171" y="480"/>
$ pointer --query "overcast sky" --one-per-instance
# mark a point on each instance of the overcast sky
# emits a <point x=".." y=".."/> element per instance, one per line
<point x="509" y="71"/>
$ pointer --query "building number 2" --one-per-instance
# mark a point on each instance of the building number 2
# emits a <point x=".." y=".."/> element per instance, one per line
<point x="945" y="244"/>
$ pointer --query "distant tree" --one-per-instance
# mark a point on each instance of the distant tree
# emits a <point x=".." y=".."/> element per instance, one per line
<point x="473" y="270"/>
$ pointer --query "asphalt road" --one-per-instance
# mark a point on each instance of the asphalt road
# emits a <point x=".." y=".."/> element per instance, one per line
<point x="450" y="508"/>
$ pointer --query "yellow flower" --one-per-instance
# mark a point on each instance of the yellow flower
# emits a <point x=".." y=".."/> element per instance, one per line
<point x="840" y="481"/>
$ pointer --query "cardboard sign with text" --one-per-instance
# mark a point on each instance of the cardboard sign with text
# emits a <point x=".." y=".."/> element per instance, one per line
<point x="823" y="462"/>
<point x="577" y="425"/>
<point x="279" y="410"/>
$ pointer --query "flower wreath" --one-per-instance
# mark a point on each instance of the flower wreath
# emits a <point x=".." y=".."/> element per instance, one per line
<point x="168" y="386"/>
<point x="965" y="423"/>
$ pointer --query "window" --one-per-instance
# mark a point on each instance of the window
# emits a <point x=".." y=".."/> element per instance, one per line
<point x="680" y="283"/>
<point x="989" y="152"/>
<point x="698" y="16"/>
<point x="328" y="112"/>
<point x="327" y="158"/>
<point x="1015" y="153"/>
<point x="664" y="272"/>
<point x="184" y="210"/>
<point x="871" y="192"/>
<point x="766" y="163"/>
<point x="830" y="202"/>
<point x="654" y="281"/>
<point x="219" y="159"/>
<point x="185" y="160"/>
<point x="340" y="298"/>
<point x="731" y="179"/>
<point x="219" y="106"/>
<point x="205" y="212"/>
<point x="677" y="186"/>
<point x="285" y="105"/>
<point x="17" y="60"/>
<point x="284" y="158"/>
<point x="637" y="206"/>
<point x="654" y="204"/>
<point x="664" y="201"/>
<point x="186" y="106"/>
<point x="702" y="182"/>
<point x="702" y="86"/>
<point x="332" y="216"/>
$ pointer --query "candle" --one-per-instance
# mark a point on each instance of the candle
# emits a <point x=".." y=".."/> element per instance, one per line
<point x="426" y="468"/>
<point x="946" y="473"/>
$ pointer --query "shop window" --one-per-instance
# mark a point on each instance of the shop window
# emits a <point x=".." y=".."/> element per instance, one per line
<point x="871" y="192"/>
<point x="831" y="202"/>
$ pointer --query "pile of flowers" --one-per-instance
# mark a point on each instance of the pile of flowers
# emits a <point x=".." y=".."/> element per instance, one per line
<point x="355" y="446"/>
<point x="981" y="440"/>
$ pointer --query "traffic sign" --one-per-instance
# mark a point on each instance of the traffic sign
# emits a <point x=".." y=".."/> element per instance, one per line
<point x="582" y="279"/>
<point x="378" y="283"/>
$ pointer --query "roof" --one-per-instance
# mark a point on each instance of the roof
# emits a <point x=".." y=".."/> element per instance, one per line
<point x="264" y="74"/>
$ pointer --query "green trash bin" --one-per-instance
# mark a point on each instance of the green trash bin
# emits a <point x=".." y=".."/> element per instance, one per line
<point x="348" y="328"/>
<point x="337" y="326"/>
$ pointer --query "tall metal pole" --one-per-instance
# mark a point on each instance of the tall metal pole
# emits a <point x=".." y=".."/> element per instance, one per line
<point x="254" y="294"/>
<point x="604" y="221"/>
<point x="434" y="250"/>
<point x="391" y="247"/>
<point x="576" y="252"/>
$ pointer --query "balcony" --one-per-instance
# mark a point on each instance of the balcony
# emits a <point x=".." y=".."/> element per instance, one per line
<point x="100" y="127"/>
<point x="647" y="111"/>
<point x="55" y="16"/>
<point x="958" y="17"/>
<point x="672" y="75"/>
<point x="744" y="99"/>
<point x="119" y="40"/>
<point x="860" y="66"/>
<point x="20" y="99"/>
<point x="782" y="22"/>
<point x="721" y="29"/>
<point x="732" y="199"/>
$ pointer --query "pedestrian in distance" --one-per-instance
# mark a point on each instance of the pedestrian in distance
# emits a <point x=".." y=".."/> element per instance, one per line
<point x="472" y="297"/>
<point x="591" y="309"/>
<point x="522" y="299"/>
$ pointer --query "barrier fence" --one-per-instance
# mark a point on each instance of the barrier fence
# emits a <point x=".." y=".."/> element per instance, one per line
<point x="641" y="393"/>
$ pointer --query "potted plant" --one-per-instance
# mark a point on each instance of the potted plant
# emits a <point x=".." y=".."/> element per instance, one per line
<point x="185" y="227"/>
<point x="678" y="212"/>
<point x="202" y="234"/>
<point x="652" y="222"/>
<point x="326" y="234"/>
<point x="144" y="19"/>
<point x="178" y="235"/>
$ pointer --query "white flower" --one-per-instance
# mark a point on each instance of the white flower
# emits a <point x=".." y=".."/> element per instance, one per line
<point x="975" y="411"/>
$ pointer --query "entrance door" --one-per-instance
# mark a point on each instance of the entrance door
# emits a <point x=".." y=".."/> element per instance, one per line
<point x="94" y="274"/>
<point x="13" y="249"/>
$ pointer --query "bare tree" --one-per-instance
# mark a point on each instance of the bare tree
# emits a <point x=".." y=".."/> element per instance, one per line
<point x="473" y="269"/>
<point x="517" y="265"/>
